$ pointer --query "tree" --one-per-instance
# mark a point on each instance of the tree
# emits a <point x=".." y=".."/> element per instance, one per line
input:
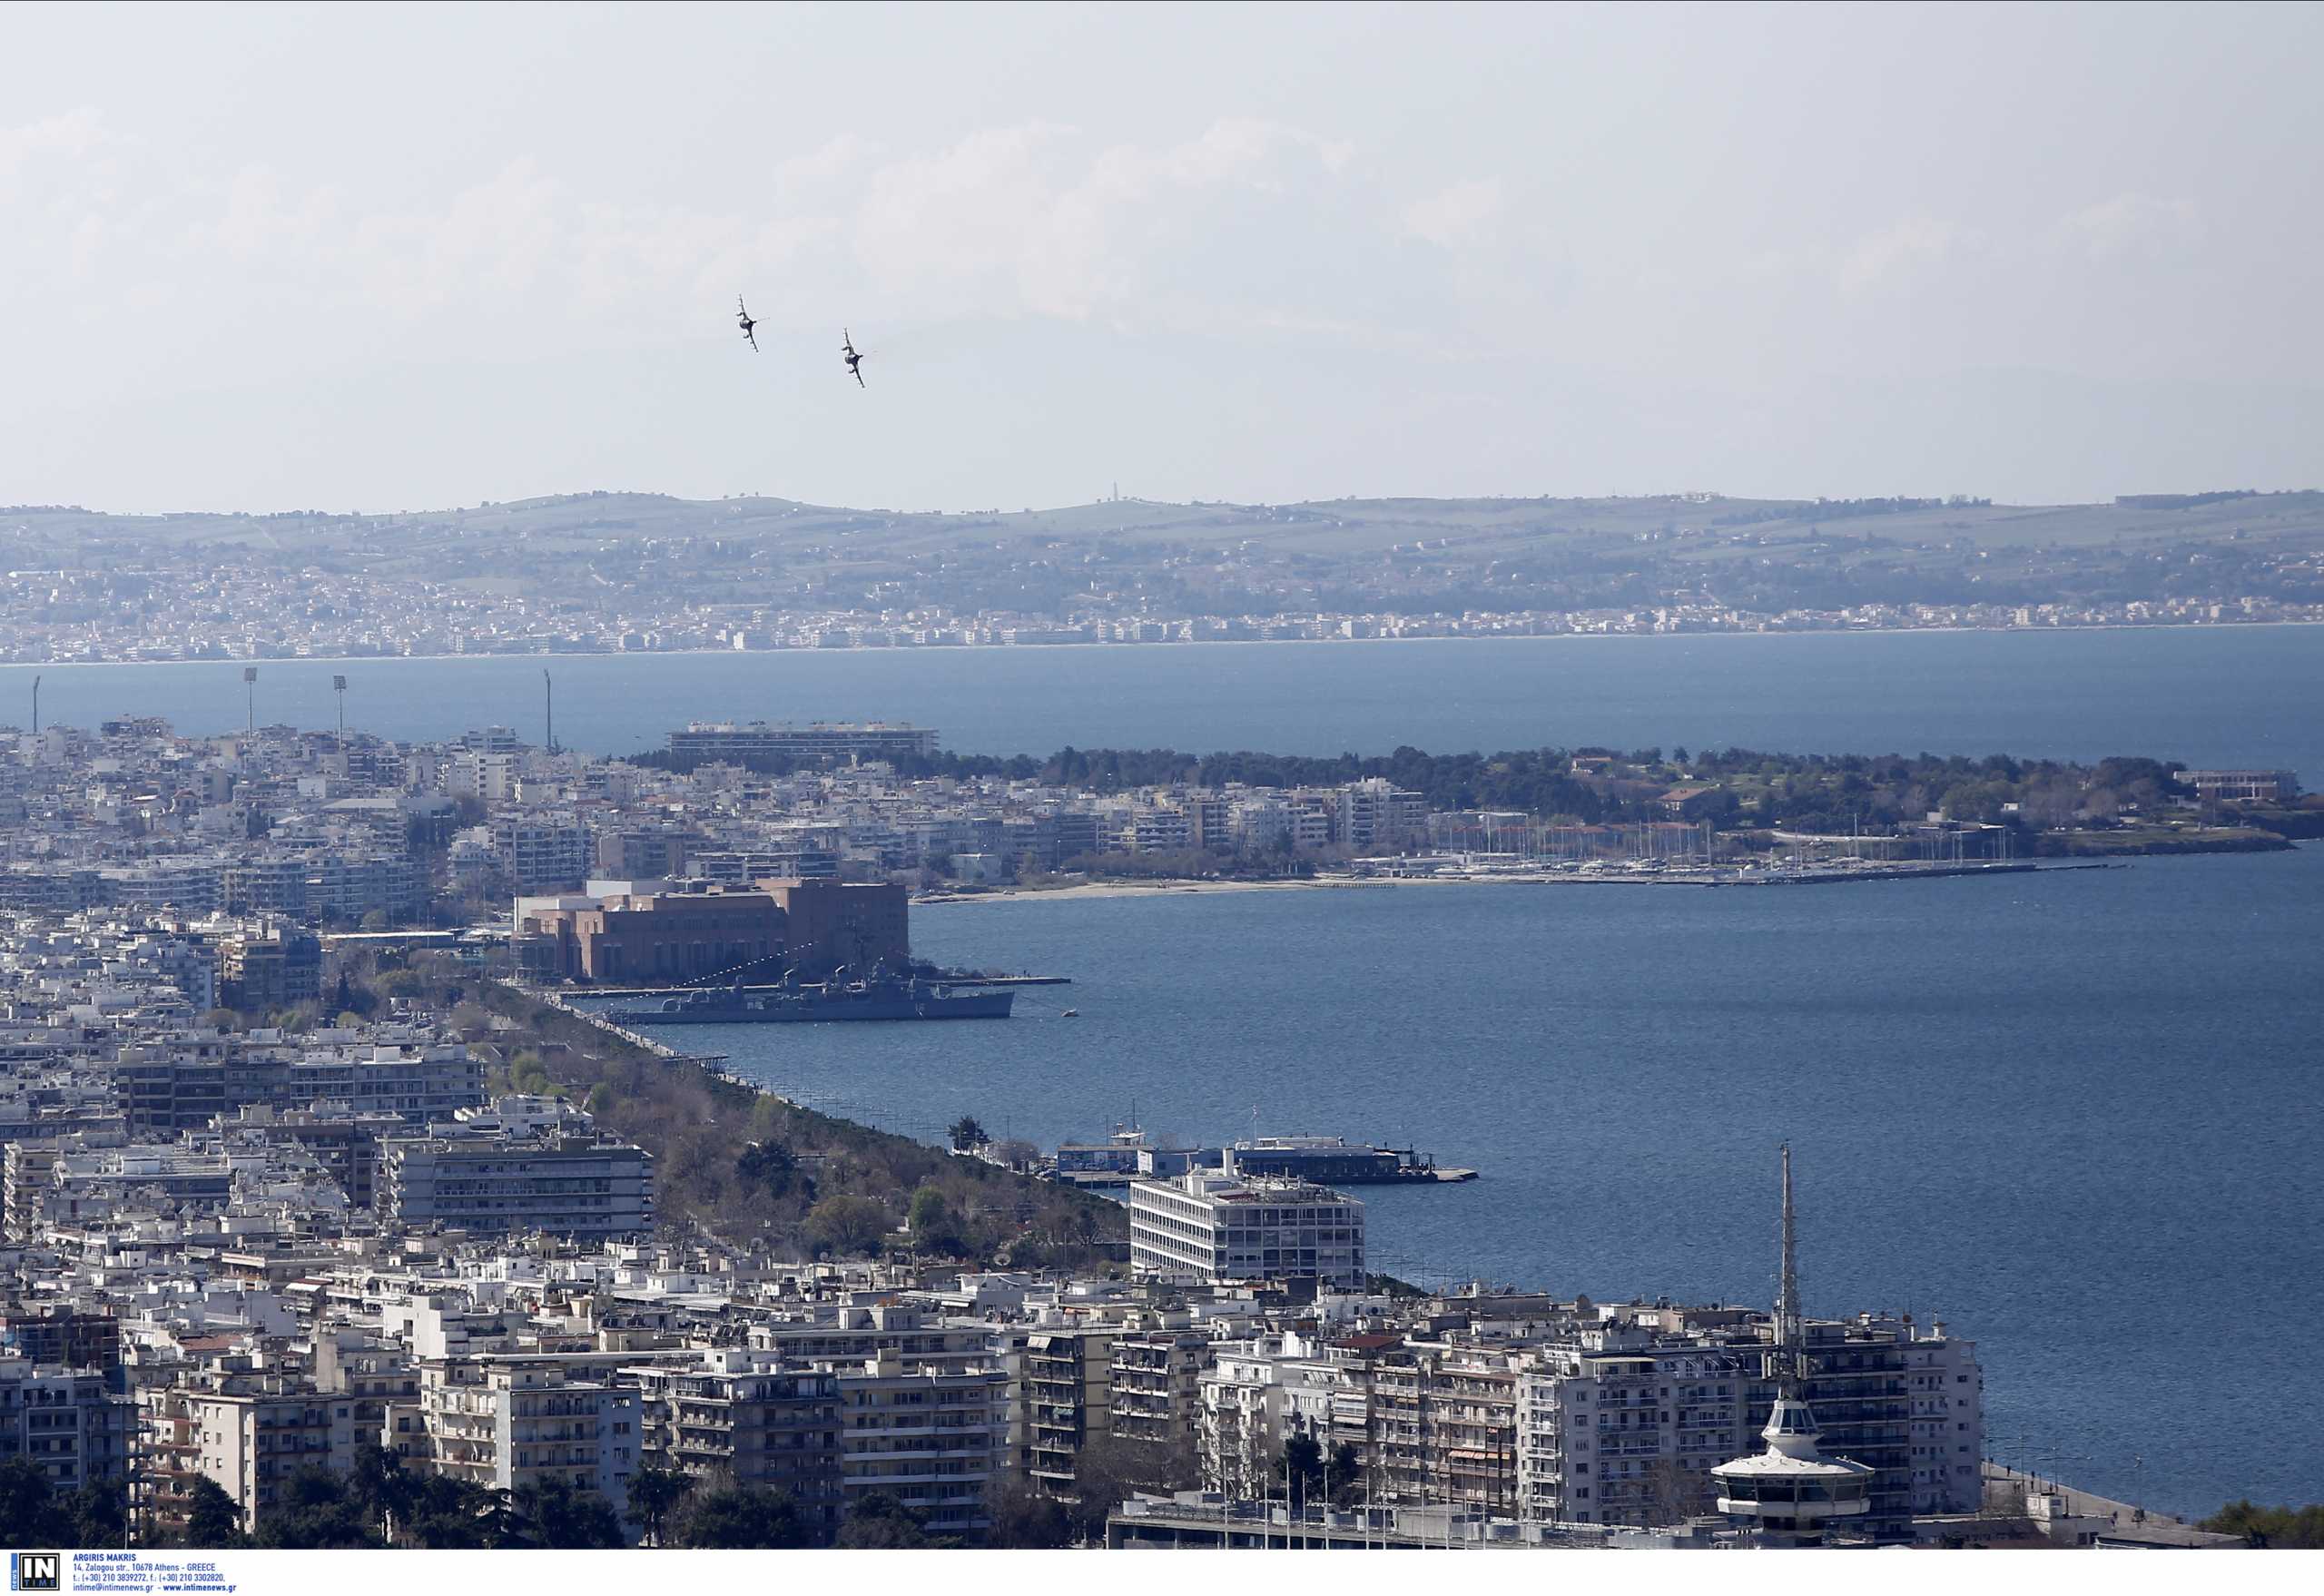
<point x="851" y="1226"/>
<point x="552" y="1513"/>
<point x="741" y="1518"/>
<point x="768" y="1167"/>
<point x="97" y="1514"/>
<point x="32" y="1514"/>
<point x="967" y="1135"/>
<point x="445" y="1514"/>
<point x="312" y="1512"/>
<point x="1110" y="1469"/>
<point x="1023" y="1520"/>
<point x="1675" y="1492"/>
<point x="933" y="1226"/>
<point x="2270" y="1526"/>
<point x="878" y="1521"/>
<point x="383" y="1494"/>
<point x="1299" y="1475"/>
<point x="652" y="1493"/>
<point x="213" y="1519"/>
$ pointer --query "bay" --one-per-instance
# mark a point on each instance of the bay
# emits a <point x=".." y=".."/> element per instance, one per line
<point x="2074" y="1115"/>
<point x="2213" y="696"/>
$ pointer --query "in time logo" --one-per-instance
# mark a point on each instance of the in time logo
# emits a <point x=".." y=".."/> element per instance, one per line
<point x="35" y="1571"/>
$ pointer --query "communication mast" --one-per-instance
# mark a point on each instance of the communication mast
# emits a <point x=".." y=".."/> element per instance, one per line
<point x="1790" y="1368"/>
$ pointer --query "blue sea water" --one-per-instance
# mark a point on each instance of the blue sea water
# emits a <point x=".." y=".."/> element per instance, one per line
<point x="2231" y="695"/>
<point x="2075" y="1115"/>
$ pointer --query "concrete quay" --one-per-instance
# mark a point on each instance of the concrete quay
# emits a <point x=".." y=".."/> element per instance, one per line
<point x="2114" y="1523"/>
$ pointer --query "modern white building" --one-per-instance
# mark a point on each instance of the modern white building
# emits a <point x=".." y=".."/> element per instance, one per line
<point x="1212" y="1225"/>
<point x="504" y="1420"/>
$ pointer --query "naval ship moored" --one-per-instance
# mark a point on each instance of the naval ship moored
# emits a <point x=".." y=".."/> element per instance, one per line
<point x="879" y="996"/>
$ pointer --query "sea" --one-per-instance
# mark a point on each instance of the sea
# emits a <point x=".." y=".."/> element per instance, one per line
<point x="2073" y="1115"/>
<point x="2232" y="696"/>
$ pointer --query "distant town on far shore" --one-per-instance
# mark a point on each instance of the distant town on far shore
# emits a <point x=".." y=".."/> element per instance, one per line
<point x="623" y="572"/>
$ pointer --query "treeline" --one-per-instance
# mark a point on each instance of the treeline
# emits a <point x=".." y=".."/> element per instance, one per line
<point x="1741" y="787"/>
<point x="2296" y="1527"/>
<point x="749" y="1166"/>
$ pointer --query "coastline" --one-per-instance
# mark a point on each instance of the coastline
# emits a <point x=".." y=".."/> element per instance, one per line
<point x="1088" y="890"/>
<point x="1161" y="888"/>
<point x="940" y="650"/>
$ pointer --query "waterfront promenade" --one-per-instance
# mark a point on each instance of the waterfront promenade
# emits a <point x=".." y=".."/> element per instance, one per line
<point x="2131" y="1525"/>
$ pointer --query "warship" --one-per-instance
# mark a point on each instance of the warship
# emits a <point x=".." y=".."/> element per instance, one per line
<point x="877" y="996"/>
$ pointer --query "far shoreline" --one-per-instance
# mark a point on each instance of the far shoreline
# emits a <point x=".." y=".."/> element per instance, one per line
<point x="942" y="650"/>
<point x="1089" y="891"/>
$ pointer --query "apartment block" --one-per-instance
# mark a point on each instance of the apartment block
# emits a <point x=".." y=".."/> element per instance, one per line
<point x="1213" y="1226"/>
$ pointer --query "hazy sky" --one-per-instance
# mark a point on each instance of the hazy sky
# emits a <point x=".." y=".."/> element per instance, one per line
<point x="398" y="258"/>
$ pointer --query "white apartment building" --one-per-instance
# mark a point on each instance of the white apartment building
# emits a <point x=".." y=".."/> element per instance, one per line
<point x="542" y="851"/>
<point x="1624" y="1430"/>
<point x="1255" y="1394"/>
<point x="935" y="1438"/>
<point x="1212" y="1225"/>
<point x="502" y="1420"/>
<point x="247" y="1439"/>
<point x="1376" y="816"/>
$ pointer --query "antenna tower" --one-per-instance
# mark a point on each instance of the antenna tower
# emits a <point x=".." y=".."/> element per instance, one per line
<point x="1790" y="1350"/>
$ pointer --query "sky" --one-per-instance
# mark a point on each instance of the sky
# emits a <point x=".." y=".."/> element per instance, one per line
<point x="380" y="259"/>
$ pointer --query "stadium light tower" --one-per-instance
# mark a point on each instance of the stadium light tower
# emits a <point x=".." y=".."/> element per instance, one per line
<point x="339" y="688"/>
<point x="249" y="694"/>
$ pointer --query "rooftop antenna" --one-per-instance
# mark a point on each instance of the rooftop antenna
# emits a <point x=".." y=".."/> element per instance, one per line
<point x="249" y="694"/>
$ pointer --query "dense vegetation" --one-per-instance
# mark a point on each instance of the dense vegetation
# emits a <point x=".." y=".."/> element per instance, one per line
<point x="2052" y="806"/>
<point x="746" y="1165"/>
<point x="2295" y="1527"/>
<point x="33" y="1512"/>
<point x="1730" y="787"/>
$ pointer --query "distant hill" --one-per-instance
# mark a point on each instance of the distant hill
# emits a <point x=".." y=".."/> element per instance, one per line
<point x="1390" y="555"/>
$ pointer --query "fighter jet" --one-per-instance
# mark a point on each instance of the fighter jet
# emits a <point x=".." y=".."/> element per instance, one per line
<point x="743" y="315"/>
<point x="854" y="360"/>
